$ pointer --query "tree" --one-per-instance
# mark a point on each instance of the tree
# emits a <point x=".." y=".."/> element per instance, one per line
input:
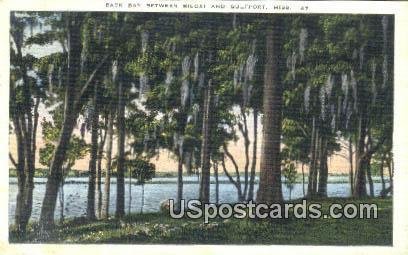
<point x="25" y="97"/>
<point x="77" y="149"/>
<point x="106" y="197"/>
<point x="270" y="186"/>
<point x="74" y="97"/>
<point x="289" y="172"/>
<point x="143" y="171"/>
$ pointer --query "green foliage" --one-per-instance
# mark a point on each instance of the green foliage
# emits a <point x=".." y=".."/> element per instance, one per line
<point x="142" y="170"/>
<point x="290" y="174"/>
<point x="77" y="148"/>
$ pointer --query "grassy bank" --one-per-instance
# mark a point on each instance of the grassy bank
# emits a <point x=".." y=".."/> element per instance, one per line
<point x="160" y="228"/>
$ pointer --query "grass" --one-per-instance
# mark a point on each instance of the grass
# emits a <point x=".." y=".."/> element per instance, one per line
<point x="158" y="228"/>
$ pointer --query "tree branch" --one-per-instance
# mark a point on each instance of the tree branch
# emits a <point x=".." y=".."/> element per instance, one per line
<point x="237" y="184"/>
<point x="229" y="155"/>
<point x="89" y="82"/>
<point x="13" y="160"/>
<point x="373" y="149"/>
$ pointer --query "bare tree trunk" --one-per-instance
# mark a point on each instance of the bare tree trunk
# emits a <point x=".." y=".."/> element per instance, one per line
<point x="141" y="208"/>
<point x="360" y="189"/>
<point x="180" y="180"/>
<point x="189" y="164"/>
<point x="120" y="183"/>
<point x="254" y="152"/>
<point x="217" y="186"/>
<point x="130" y="190"/>
<point x="369" y="177"/>
<point x="350" y="151"/>
<point x="317" y="163"/>
<point x="90" y="209"/>
<point x="106" y="198"/>
<point x="99" y="172"/>
<point x="204" y="195"/>
<point x="270" y="184"/>
<point x="391" y="171"/>
<point x="244" y="131"/>
<point x="312" y="166"/>
<point x="382" y="174"/>
<point x="303" y="179"/>
<point x="323" y="170"/>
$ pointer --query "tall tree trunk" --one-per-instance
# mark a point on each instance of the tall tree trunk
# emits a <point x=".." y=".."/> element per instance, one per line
<point x="130" y="190"/>
<point x="141" y="208"/>
<point x="254" y="152"/>
<point x="73" y="22"/>
<point x="189" y="164"/>
<point x="318" y="156"/>
<point x="120" y="183"/>
<point x="99" y="172"/>
<point x="382" y="174"/>
<point x="312" y="166"/>
<point x="350" y="152"/>
<point x="323" y="170"/>
<point x="390" y="164"/>
<point x="204" y="194"/>
<point x="74" y="98"/>
<point x="270" y="185"/>
<point x="369" y="177"/>
<point x="303" y="179"/>
<point x="25" y="121"/>
<point x="360" y="189"/>
<point x="90" y="209"/>
<point x="217" y="185"/>
<point x="54" y="178"/>
<point x="106" y="198"/>
<point x="180" y="179"/>
<point x="244" y="130"/>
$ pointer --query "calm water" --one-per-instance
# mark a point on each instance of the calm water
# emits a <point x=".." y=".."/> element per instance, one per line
<point x="75" y="193"/>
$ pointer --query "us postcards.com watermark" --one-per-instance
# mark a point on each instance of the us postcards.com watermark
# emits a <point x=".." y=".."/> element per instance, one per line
<point x="194" y="209"/>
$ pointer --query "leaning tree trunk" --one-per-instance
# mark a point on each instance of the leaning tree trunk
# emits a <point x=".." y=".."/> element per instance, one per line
<point x="204" y="195"/>
<point x="74" y="98"/>
<point x="270" y="186"/>
<point x="70" y="116"/>
<point x="253" y="163"/>
<point x="120" y="182"/>
<point x="106" y="198"/>
<point x="90" y="209"/>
